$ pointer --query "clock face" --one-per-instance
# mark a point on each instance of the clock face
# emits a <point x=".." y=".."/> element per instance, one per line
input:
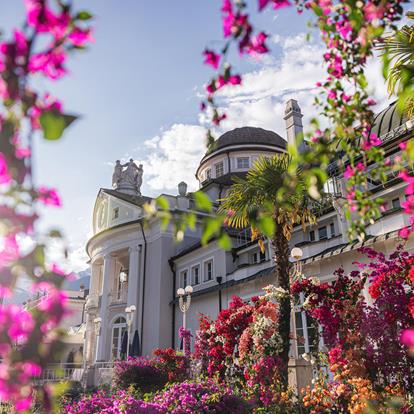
<point x="101" y="215"/>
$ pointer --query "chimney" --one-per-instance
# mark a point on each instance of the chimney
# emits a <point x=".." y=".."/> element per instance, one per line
<point x="293" y="117"/>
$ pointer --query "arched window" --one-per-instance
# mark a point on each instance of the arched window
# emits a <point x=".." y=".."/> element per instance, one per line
<point x="119" y="327"/>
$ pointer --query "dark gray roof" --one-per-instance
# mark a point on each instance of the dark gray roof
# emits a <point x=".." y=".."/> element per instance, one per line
<point x="137" y="200"/>
<point x="387" y="120"/>
<point x="249" y="135"/>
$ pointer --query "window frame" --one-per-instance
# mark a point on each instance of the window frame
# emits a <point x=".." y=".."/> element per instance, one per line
<point x="207" y="174"/>
<point x="211" y="259"/>
<point x="326" y="232"/>
<point x="197" y="266"/>
<point x="397" y="199"/>
<point x="115" y="213"/>
<point x="216" y="165"/>
<point x="181" y="279"/>
<point x="243" y="158"/>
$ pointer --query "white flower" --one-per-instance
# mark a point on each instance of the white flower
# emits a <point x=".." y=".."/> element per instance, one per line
<point x="315" y="280"/>
<point x="306" y="357"/>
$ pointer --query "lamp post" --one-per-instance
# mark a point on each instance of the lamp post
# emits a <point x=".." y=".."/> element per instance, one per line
<point x="296" y="254"/>
<point x="184" y="303"/>
<point x="97" y="322"/>
<point x="219" y="279"/>
<point x="130" y="310"/>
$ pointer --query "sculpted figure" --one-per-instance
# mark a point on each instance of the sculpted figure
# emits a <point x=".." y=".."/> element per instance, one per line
<point x="116" y="176"/>
<point x="140" y="172"/>
<point x="130" y="174"/>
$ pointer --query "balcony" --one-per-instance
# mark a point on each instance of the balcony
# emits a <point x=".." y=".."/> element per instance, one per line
<point x="118" y="297"/>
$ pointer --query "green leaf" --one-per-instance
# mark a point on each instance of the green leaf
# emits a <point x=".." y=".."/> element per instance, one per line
<point x="202" y="201"/>
<point x="54" y="123"/>
<point x="55" y="233"/>
<point x="266" y="226"/>
<point x="162" y="202"/>
<point x="83" y="15"/>
<point x="211" y="228"/>
<point x="224" y="242"/>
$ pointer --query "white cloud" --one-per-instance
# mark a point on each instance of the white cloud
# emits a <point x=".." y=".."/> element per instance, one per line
<point x="174" y="156"/>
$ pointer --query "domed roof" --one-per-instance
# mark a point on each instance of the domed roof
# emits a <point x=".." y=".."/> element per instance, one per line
<point x="249" y="135"/>
<point x="387" y="120"/>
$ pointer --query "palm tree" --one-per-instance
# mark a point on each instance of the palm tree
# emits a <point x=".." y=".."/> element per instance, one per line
<point x="398" y="53"/>
<point x="256" y="201"/>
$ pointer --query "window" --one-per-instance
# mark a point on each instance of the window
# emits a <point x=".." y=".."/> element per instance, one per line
<point x="115" y="213"/>
<point x="332" y="229"/>
<point x="118" y="331"/>
<point x="208" y="174"/>
<point x="184" y="278"/>
<point x="195" y="275"/>
<point x="322" y="232"/>
<point x="395" y="203"/>
<point x="306" y="329"/>
<point x="243" y="163"/>
<point x="208" y="270"/>
<point x="254" y="258"/>
<point x="122" y="284"/>
<point x="219" y="169"/>
<point x="262" y="256"/>
<point x="312" y="235"/>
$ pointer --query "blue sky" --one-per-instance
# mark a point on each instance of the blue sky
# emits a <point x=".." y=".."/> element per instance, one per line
<point x="137" y="90"/>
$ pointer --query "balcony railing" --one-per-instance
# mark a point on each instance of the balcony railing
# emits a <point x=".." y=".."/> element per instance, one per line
<point x="117" y="298"/>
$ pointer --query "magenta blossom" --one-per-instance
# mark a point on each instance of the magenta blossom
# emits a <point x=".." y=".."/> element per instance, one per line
<point x="211" y="58"/>
<point x="4" y="170"/>
<point x="407" y="338"/>
<point x="51" y="64"/>
<point x="80" y="37"/>
<point x="49" y="197"/>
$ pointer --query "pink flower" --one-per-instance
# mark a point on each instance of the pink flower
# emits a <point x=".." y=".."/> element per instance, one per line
<point x="49" y="196"/>
<point x="211" y="58"/>
<point x="373" y="12"/>
<point x="4" y="170"/>
<point x="403" y="145"/>
<point x="50" y="64"/>
<point x="235" y="80"/>
<point x="40" y="16"/>
<point x="404" y="232"/>
<point x="80" y="37"/>
<point x="258" y="45"/>
<point x="407" y="338"/>
<point x="23" y="323"/>
<point x="276" y="4"/>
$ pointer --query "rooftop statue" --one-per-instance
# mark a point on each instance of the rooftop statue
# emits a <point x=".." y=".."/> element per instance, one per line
<point x="128" y="177"/>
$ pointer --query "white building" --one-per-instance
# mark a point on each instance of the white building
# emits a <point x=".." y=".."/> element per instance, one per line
<point x="137" y="263"/>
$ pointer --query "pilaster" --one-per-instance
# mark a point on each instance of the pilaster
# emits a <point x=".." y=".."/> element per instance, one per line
<point x="108" y="270"/>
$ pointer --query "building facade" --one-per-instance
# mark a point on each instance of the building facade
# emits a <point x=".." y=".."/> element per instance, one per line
<point x="136" y="262"/>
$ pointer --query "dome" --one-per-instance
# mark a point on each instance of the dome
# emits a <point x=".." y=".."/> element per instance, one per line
<point x="387" y="121"/>
<point x="250" y="136"/>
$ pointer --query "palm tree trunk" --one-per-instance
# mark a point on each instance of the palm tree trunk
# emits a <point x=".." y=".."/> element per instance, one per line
<point x="282" y="266"/>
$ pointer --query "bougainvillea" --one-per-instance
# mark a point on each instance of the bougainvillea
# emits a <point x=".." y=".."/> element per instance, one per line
<point x="243" y="346"/>
<point x="39" y="49"/>
<point x="363" y="333"/>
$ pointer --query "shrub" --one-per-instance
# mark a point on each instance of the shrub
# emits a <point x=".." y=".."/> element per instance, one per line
<point x="142" y="373"/>
<point x="173" y="364"/>
<point x="201" y="398"/>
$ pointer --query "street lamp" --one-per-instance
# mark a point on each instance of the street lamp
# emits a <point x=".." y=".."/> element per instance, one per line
<point x="130" y="310"/>
<point x="184" y="302"/>
<point x="296" y="254"/>
<point x="97" y="322"/>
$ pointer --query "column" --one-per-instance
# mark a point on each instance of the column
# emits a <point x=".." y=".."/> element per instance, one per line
<point x="133" y="283"/>
<point x="95" y="273"/>
<point x="108" y="270"/>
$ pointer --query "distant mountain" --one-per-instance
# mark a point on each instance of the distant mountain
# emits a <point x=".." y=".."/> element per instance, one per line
<point x="22" y="291"/>
<point x="83" y="278"/>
